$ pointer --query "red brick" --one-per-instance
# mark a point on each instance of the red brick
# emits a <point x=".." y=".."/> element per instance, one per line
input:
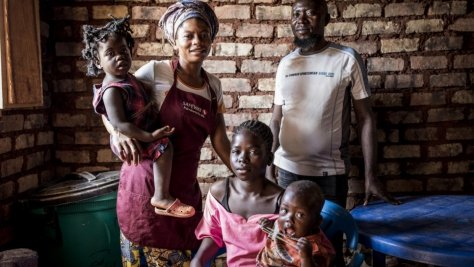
<point x="11" y="166"/>
<point x="445" y="150"/>
<point x="403" y="9"/>
<point x="424" y="25"/>
<point x="445" y="114"/>
<point x="236" y="119"/>
<point x="448" y="8"/>
<point x="407" y="186"/>
<point x="464" y="61"/>
<point x="380" y="27"/>
<point x="388" y="99"/>
<point x="5" y="145"/>
<point x="428" y="99"/>
<point x="424" y="168"/>
<point x="279" y="12"/>
<point x="443" y="43"/>
<point x="396" y="117"/>
<point x="362" y="10"/>
<point x="421" y="134"/>
<point x="37" y="159"/>
<point x="254" y="30"/>
<point x="445" y="184"/>
<point x="147" y="12"/>
<point x="7" y="190"/>
<point x="460" y="133"/>
<point x="463" y="25"/>
<point x="340" y="29"/>
<point x="104" y="11"/>
<point x="434" y="62"/>
<point x="389" y="168"/>
<point x="404" y="81"/>
<point x="448" y="79"/>
<point x="460" y="166"/>
<point x="463" y="97"/>
<point x="362" y="47"/>
<point x="401" y="151"/>
<point x="399" y="45"/>
<point x="384" y="64"/>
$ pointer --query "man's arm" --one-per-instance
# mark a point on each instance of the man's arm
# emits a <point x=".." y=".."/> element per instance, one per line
<point x="275" y="124"/>
<point x="368" y="140"/>
<point x="220" y="142"/>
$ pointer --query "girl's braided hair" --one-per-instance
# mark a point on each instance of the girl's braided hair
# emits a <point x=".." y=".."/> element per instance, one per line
<point x="259" y="129"/>
<point x="93" y="35"/>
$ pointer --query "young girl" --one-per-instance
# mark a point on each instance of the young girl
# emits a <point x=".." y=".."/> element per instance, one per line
<point x="234" y="206"/>
<point x="295" y="239"/>
<point x="128" y="106"/>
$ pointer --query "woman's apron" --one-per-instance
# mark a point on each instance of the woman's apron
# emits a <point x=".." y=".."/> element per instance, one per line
<point x="194" y="118"/>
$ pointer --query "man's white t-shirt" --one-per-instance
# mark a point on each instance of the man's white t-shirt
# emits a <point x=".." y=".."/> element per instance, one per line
<point x="315" y="93"/>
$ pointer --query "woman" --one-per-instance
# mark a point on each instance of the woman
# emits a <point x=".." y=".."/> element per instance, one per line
<point x="191" y="101"/>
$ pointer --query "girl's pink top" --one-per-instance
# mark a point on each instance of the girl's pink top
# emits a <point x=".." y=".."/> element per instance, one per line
<point x="242" y="237"/>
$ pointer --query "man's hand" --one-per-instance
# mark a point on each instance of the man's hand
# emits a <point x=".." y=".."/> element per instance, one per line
<point x="375" y="188"/>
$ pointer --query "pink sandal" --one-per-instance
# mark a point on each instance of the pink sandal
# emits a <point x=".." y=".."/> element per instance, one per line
<point x="176" y="209"/>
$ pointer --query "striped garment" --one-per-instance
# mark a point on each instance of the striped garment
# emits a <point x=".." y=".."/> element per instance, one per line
<point x="278" y="253"/>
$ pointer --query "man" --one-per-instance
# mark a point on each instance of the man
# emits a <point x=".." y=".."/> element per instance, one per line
<point x="311" y="116"/>
<point x="314" y="87"/>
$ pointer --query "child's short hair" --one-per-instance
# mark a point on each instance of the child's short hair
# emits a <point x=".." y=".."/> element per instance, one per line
<point x="310" y="191"/>
<point x="92" y="35"/>
<point x="259" y="129"/>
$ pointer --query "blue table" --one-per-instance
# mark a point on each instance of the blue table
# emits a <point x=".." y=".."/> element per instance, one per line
<point x="437" y="230"/>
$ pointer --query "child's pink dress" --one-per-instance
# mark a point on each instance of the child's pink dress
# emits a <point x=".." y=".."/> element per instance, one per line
<point x="138" y="109"/>
<point x="242" y="238"/>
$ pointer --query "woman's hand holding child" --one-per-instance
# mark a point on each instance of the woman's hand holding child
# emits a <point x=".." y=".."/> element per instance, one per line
<point x="129" y="148"/>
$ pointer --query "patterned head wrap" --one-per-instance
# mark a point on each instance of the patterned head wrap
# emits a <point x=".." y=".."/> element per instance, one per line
<point x="184" y="10"/>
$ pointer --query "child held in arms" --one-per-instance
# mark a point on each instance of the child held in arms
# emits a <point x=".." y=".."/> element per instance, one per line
<point x="127" y="104"/>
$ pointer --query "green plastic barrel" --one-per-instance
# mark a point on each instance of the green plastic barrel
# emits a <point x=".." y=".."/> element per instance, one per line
<point x="74" y="222"/>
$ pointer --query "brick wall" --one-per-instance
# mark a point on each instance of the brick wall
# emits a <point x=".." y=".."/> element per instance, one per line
<point x="419" y="56"/>
<point x="26" y="148"/>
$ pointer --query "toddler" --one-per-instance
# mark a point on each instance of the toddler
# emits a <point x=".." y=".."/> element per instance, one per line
<point x="295" y="239"/>
<point x="127" y="104"/>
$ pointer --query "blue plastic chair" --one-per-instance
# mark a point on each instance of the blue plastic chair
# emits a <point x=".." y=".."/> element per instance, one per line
<point x="336" y="219"/>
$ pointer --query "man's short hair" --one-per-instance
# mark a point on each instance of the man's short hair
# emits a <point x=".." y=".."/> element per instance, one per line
<point x="321" y="5"/>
